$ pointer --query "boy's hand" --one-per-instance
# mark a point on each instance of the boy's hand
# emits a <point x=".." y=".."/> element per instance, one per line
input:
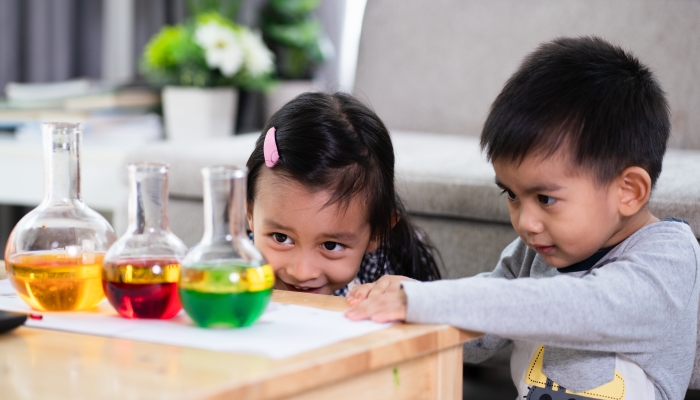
<point x="381" y="301"/>
<point x="386" y="307"/>
<point x="382" y="285"/>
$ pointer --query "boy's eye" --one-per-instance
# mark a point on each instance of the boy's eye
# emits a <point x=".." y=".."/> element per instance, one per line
<point x="511" y="195"/>
<point x="281" y="238"/>
<point x="546" y="200"/>
<point x="333" y="246"/>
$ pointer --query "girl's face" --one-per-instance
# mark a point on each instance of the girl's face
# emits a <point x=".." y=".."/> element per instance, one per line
<point x="313" y="247"/>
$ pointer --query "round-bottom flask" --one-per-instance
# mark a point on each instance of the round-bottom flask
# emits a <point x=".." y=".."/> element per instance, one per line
<point x="141" y="270"/>
<point x="224" y="280"/>
<point x="54" y="254"/>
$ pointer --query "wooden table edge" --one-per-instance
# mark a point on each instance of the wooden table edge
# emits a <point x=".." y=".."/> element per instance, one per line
<point x="350" y="358"/>
<point x="339" y="361"/>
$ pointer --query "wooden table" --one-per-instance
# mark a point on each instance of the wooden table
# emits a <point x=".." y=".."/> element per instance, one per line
<point x="404" y="361"/>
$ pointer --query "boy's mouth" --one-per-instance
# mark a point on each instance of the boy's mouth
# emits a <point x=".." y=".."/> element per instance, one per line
<point x="543" y="249"/>
<point x="293" y="288"/>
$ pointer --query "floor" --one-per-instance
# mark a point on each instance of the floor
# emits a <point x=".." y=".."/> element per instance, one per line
<point x="496" y="384"/>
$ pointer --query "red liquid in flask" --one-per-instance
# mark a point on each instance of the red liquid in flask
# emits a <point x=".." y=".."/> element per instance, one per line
<point x="143" y="288"/>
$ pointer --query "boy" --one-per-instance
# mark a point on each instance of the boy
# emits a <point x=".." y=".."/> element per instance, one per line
<point x="597" y="295"/>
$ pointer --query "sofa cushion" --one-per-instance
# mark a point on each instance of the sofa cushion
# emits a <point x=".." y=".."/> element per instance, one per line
<point x="437" y="65"/>
<point x="437" y="175"/>
<point x="677" y="192"/>
<point x="448" y="176"/>
<point x="186" y="159"/>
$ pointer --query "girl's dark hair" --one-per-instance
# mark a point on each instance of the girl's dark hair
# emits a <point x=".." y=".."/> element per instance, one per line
<point x="589" y="95"/>
<point x="334" y="142"/>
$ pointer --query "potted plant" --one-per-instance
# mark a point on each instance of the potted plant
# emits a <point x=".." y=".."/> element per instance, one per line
<point x="200" y="64"/>
<point x="296" y="38"/>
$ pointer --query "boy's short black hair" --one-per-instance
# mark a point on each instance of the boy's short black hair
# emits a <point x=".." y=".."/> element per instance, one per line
<point x="587" y="94"/>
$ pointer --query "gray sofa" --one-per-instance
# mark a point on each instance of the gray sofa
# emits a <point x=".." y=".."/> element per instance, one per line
<point x="431" y="70"/>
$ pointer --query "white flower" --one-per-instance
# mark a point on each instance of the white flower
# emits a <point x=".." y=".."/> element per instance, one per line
<point x="222" y="47"/>
<point x="258" y="58"/>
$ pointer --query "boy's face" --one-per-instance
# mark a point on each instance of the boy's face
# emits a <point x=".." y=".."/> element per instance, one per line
<point x="559" y="210"/>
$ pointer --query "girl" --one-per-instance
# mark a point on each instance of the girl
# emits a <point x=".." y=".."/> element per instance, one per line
<point x="321" y="199"/>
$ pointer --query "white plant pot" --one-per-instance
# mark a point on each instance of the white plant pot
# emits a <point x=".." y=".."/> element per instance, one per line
<point x="194" y="113"/>
<point x="285" y="91"/>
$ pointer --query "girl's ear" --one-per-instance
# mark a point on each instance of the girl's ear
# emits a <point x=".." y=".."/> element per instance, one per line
<point x="374" y="243"/>
<point x="634" y="190"/>
<point x="372" y="246"/>
<point x="249" y="215"/>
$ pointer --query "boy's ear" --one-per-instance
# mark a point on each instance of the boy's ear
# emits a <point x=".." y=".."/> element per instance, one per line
<point x="249" y="215"/>
<point x="635" y="189"/>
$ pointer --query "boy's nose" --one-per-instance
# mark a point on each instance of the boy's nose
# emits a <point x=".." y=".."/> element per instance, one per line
<point x="303" y="268"/>
<point x="528" y="221"/>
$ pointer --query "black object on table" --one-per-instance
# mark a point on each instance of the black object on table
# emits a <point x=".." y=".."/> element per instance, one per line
<point x="11" y="320"/>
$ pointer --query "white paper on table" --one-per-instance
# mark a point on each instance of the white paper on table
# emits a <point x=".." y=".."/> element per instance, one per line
<point x="284" y="330"/>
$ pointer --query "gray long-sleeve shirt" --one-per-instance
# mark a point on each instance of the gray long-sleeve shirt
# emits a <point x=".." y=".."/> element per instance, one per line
<point x="639" y="303"/>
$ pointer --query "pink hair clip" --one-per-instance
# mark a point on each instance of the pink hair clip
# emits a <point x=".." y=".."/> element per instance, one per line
<point x="272" y="155"/>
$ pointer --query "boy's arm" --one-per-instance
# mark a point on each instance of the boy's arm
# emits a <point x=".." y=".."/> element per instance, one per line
<point x="626" y="305"/>
<point x="508" y="267"/>
<point x="393" y="307"/>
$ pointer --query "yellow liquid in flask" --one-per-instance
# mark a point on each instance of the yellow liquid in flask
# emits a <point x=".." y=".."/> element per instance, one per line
<point x="58" y="281"/>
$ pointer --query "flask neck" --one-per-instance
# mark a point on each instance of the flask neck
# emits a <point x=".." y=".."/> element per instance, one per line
<point x="62" y="142"/>
<point x="224" y="204"/>
<point x="148" y="197"/>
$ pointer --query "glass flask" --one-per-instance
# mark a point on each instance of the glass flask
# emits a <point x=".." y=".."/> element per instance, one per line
<point x="54" y="254"/>
<point x="140" y="271"/>
<point x="224" y="280"/>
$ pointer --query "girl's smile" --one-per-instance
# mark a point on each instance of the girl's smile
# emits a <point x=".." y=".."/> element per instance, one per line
<point x="294" y="288"/>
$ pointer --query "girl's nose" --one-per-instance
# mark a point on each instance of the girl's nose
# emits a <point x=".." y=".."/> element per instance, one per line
<point x="303" y="268"/>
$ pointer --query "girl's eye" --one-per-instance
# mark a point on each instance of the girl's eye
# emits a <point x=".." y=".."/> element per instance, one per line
<point x="511" y="195"/>
<point x="333" y="246"/>
<point x="546" y="200"/>
<point x="281" y="238"/>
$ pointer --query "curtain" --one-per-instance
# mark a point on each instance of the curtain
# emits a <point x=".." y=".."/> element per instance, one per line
<point x="45" y="41"/>
<point x="49" y="40"/>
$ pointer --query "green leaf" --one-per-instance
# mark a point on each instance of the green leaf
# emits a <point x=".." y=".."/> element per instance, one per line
<point x="159" y="51"/>
<point x="298" y="35"/>
<point x="216" y="17"/>
<point x="227" y="8"/>
<point x="294" y="8"/>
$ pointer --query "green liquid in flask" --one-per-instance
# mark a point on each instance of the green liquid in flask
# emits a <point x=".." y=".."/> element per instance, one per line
<point x="225" y="295"/>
